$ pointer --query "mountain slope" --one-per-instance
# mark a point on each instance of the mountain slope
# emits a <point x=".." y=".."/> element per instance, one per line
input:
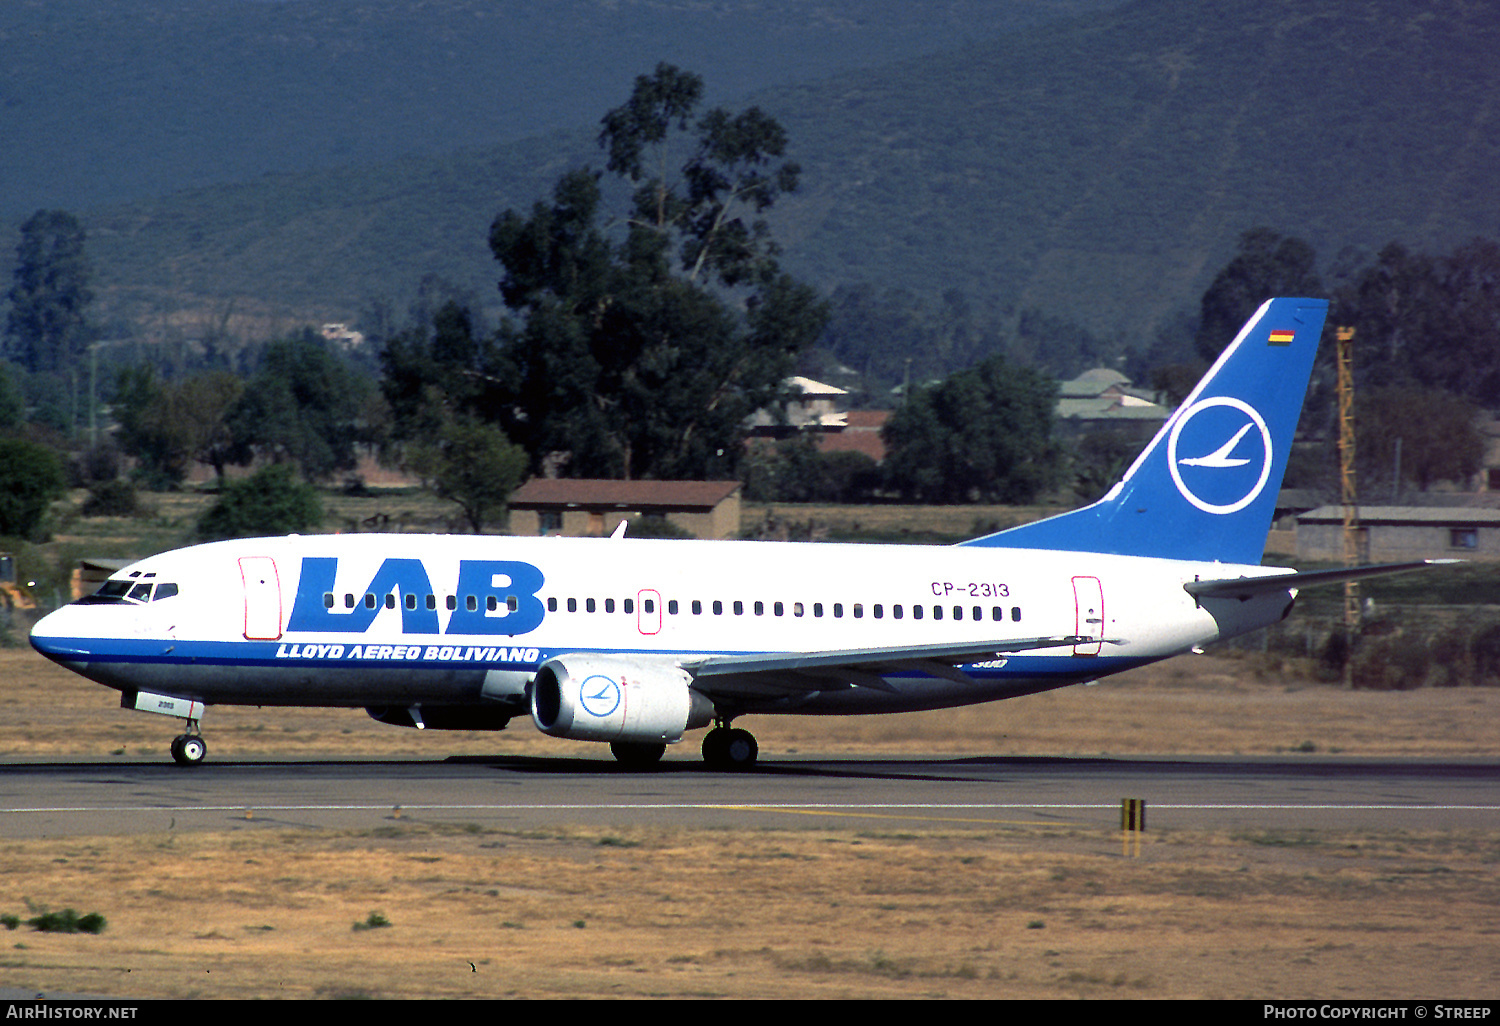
<point x="117" y="102"/>
<point x="1100" y="168"/>
<point x="1107" y="166"/>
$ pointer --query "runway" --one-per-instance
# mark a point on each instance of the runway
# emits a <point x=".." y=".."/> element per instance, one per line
<point x="102" y="798"/>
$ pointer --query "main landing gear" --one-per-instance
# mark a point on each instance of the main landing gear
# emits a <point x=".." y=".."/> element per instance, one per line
<point x="726" y="748"/>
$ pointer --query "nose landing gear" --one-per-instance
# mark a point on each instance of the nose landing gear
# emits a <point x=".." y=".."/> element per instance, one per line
<point x="188" y="749"/>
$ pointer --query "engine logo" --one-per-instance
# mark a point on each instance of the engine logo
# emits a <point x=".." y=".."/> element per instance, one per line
<point x="599" y="695"/>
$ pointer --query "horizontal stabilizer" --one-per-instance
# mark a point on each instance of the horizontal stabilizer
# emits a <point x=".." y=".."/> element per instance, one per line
<point x="1244" y="588"/>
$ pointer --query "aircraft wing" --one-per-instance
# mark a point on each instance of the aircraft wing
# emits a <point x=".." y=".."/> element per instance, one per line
<point x="793" y="672"/>
<point x="1244" y="588"/>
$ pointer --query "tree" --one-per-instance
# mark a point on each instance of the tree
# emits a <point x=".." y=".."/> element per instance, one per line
<point x="303" y="405"/>
<point x="472" y="464"/>
<point x="31" y="477"/>
<point x="12" y="402"/>
<point x="269" y="502"/>
<point x="793" y="470"/>
<point x="431" y="376"/>
<point x="640" y="351"/>
<point x="1267" y="265"/>
<point x="168" y="426"/>
<point x="1430" y="322"/>
<point x="982" y="435"/>
<point x="48" y="328"/>
<point x="1437" y="434"/>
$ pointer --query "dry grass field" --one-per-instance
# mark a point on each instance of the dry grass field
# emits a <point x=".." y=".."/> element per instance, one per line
<point x="630" y="911"/>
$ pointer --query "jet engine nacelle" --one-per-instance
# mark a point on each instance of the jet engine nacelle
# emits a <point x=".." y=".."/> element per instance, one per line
<point x="593" y="698"/>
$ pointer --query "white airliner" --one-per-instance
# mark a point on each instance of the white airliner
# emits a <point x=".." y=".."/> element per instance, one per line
<point x="635" y="642"/>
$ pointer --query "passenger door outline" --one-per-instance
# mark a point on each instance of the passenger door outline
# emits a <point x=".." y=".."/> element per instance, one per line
<point x="262" y="598"/>
<point x="1088" y="612"/>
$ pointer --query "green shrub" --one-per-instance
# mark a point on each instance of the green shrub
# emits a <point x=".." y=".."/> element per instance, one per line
<point x="67" y="921"/>
<point x="269" y="502"/>
<point x="115" y="498"/>
<point x="31" y="476"/>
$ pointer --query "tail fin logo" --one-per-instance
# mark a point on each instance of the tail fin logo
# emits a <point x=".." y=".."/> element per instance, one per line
<point x="1228" y="454"/>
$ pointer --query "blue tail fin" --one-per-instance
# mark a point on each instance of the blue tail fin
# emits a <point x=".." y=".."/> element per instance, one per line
<point x="1206" y="486"/>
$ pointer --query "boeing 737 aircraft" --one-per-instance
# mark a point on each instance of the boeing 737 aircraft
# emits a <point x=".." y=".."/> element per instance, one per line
<point x="635" y="642"/>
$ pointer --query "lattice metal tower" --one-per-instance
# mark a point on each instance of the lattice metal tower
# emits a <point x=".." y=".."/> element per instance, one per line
<point x="1352" y="547"/>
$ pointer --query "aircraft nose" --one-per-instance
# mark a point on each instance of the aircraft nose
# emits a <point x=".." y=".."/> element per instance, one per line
<point x="58" y="637"/>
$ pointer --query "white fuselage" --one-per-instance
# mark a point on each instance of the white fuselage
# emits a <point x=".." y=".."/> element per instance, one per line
<point x="373" y="620"/>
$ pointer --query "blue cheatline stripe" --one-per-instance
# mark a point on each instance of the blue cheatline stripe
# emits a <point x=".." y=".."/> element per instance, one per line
<point x="424" y="656"/>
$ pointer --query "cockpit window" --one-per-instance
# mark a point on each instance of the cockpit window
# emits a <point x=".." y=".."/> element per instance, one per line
<point x="133" y="592"/>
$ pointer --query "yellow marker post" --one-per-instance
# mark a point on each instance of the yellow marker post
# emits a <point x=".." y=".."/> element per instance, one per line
<point x="1132" y="824"/>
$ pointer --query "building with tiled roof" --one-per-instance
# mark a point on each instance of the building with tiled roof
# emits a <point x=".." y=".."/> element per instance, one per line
<point x="581" y="507"/>
<point x="1398" y="533"/>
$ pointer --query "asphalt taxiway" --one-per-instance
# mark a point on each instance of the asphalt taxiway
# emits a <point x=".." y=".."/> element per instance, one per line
<point x="114" y="797"/>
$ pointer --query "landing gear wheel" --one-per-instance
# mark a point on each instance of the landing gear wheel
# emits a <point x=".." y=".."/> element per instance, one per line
<point x="730" y="749"/>
<point x="637" y="755"/>
<point x="188" y="749"/>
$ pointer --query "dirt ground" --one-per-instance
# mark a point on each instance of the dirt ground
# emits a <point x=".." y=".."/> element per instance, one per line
<point x="415" y="909"/>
